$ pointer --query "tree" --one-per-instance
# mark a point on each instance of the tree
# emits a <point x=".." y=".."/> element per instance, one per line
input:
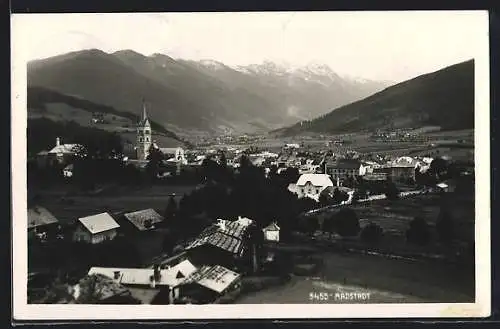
<point x="291" y="175"/>
<point x="155" y="158"/>
<point x="168" y="244"/>
<point x="308" y="225"/>
<point x="372" y="233"/>
<point x="347" y="223"/>
<point x="356" y="196"/>
<point x="350" y="181"/>
<point x="391" y="191"/>
<point x="438" y="168"/>
<point x="90" y="289"/>
<point x="445" y="226"/>
<point x="329" y="225"/>
<point x="339" y="196"/>
<point x="171" y="209"/>
<point x="418" y="232"/>
<point x="324" y="199"/>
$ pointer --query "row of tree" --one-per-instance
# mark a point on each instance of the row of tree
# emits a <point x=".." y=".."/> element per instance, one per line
<point x="346" y="224"/>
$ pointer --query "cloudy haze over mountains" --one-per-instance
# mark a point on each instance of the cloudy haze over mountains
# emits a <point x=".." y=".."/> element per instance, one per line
<point x="360" y="44"/>
<point x="239" y="71"/>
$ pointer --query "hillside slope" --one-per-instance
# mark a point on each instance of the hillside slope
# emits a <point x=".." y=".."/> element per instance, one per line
<point x="54" y="106"/>
<point x="444" y="98"/>
<point x="196" y="95"/>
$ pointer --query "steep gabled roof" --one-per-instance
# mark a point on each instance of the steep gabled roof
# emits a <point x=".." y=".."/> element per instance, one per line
<point x="322" y="180"/>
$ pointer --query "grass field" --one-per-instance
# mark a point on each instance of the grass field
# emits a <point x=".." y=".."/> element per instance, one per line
<point x="387" y="281"/>
<point x="67" y="207"/>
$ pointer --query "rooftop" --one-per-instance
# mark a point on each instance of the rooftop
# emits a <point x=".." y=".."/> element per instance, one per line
<point x="38" y="216"/>
<point x="404" y="162"/>
<point x="142" y="276"/>
<point x="139" y="219"/>
<point x="272" y="227"/>
<point x="220" y="240"/>
<point x="99" y="223"/>
<point x="216" y="278"/>
<point x="315" y="179"/>
<point x="345" y="163"/>
<point x="65" y="148"/>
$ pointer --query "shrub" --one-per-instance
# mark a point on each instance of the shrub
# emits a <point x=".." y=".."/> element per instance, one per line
<point x="347" y="223"/>
<point x="445" y="226"/>
<point x="391" y="191"/>
<point x="418" y="232"/>
<point x="372" y="233"/>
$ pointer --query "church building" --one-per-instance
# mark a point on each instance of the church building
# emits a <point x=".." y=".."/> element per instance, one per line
<point x="144" y="140"/>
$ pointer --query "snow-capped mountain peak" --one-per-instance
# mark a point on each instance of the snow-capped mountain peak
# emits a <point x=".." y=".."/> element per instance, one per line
<point x="211" y="64"/>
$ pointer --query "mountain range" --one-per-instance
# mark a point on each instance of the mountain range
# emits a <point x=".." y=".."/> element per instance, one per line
<point x="444" y="98"/>
<point x="206" y="95"/>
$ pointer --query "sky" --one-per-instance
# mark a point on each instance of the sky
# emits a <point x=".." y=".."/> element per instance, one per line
<point x="391" y="46"/>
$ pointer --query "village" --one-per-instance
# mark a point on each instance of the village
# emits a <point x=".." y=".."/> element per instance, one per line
<point x="230" y="218"/>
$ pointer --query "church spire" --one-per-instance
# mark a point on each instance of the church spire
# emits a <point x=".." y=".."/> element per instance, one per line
<point x="144" y="113"/>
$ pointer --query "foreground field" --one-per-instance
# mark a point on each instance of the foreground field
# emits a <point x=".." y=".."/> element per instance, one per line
<point x="386" y="280"/>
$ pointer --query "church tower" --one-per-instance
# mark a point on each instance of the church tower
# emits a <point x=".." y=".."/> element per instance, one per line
<point x="143" y="135"/>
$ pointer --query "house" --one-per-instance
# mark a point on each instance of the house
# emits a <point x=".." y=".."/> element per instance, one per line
<point x="208" y="285"/>
<point x="272" y="232"/>
<point x="144" y="220"/>
<point x="64" y="153"/>
<point x="291" y="146"/>
<point x="225" y="243"/>
<point x="244" y="221"/>
<point x="150" y="285"/>
<point x="175" y="154"/>
<point x="308" y="169"/>
<point x="257" y="161"/>
<point x="403" y="168"/>
<point x="96" y="229"/>
<point x="138" y="164"/>
<point x="375" y="177"/>
<point x="340" y="169"/>
<point x="311" y="185"/>
<point x="40" y="220"/>
<point x="68" y="171"/>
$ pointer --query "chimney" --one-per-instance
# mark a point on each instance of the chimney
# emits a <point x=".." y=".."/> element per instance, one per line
<point x="116" y="275"/>
<point x="58" y="141"/>
<point x="171" y="295"/>
<point x="156" y="272"/>
<point x="153" y="282"/>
